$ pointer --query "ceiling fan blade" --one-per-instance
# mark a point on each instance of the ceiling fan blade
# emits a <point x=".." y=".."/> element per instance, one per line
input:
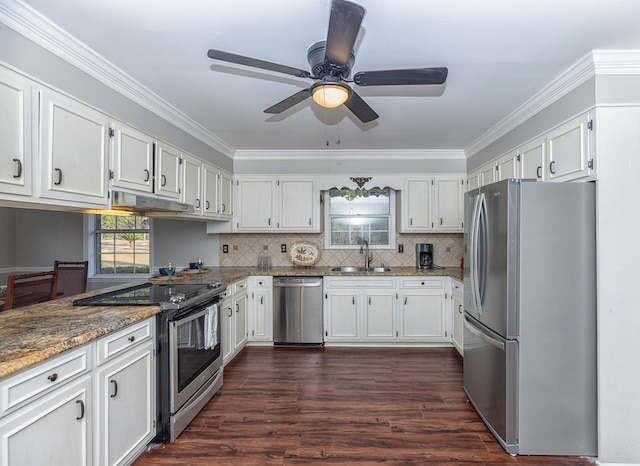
<point x="360" y="108"/>
<point x="289" y="102"/>
<point x="255" y="63"/>
<point x="401" y="77"/>
<point x="344" y="24"/>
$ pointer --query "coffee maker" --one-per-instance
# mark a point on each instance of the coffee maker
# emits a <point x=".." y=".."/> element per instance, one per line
<point x="424" y="255"/>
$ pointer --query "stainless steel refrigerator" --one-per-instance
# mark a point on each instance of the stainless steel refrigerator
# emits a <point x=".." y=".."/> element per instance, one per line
<point x="530" y="315"/>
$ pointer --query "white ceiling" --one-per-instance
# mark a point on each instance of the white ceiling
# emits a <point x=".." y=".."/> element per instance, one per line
<point x="499" y="54"/>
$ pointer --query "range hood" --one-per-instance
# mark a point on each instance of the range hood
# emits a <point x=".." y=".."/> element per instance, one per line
<point x="137" y="203"/>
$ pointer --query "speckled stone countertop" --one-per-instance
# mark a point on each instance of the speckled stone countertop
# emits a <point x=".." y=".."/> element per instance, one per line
<point x="34" y="333"/>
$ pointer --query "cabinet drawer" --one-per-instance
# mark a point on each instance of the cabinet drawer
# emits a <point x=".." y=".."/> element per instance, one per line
<point x="417" y="282"/>
<point x="262" y="283"/>
<point x="239" y="286"/>
<point x="456" y="287"/>
<point x="34" y="382"/>
<point x="113" y="345"/>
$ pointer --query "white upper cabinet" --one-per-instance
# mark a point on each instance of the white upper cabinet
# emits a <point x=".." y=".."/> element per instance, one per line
<point x="226" y="195"/>
<point x="277" y="204"/>
<point x="532" y="160"/>
<point x="168" y="161"/>
<point x="449" y="204"/>
<point x="16" y="106"/>
<point x="416" y="205"/>
<point x="74" y="142"/>
<point x="211" y="190"/>
<point x="432" y="204"/>
<point x="562" y="154"/>
<point x="569" y="150"/>
<point x="192" y="183"/>
<point x="132" y="162"/>
<point x="255" y="204"/>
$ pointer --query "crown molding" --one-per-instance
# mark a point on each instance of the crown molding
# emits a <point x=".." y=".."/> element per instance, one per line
<point x="35" y="27"/>
<point x="596" y="62"/>
<point x="323" y="155"/>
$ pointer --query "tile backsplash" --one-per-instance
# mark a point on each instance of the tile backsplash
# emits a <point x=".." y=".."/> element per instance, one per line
<point x="244" y="250"/>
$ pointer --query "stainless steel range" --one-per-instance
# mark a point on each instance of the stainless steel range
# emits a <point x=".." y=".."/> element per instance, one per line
<point x="189" y="346"/>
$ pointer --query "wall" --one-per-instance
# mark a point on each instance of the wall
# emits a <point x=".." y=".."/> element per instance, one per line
<point x="181" y="242"/>
<point x="244" y="250"/>
<point x="7" y="243"/>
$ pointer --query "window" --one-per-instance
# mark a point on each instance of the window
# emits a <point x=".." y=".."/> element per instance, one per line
<point x="356" y="214"/>
<point x="121" y="244"/>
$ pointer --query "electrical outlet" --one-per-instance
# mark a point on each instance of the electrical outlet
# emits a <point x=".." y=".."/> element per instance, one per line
<point x="400" y="248"/>
<point x="225" y="248"/>
<point x="283" y="248"/>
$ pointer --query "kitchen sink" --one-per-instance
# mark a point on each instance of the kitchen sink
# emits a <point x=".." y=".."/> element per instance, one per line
<point x="350" y="269"/>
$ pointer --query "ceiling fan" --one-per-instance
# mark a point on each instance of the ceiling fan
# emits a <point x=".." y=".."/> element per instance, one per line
<point x="331" y="62"/>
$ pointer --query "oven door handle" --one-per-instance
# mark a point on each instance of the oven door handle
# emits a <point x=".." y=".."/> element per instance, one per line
<point x="193" y="312"/>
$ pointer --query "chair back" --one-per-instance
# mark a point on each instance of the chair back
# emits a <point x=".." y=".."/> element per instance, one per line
<point x="72" y="277"/>
<point x="31" y="288"/>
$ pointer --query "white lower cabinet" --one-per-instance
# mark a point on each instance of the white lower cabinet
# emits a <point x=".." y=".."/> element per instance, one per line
<point x="386" y="309"/>
<point x="234" y="320"/>
<point x="125" y="400"/>
<point x="260" y="323"/>
<point x="458" y="314"/>
<point x="54" y="429"/>
<point x="77" y="409"/>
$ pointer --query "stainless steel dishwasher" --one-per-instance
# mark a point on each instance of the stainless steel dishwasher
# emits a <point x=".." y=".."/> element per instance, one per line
<point x="297" y="311"/>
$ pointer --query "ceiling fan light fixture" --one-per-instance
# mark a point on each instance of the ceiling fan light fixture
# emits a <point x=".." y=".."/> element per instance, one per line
<point x="330" y="95"/>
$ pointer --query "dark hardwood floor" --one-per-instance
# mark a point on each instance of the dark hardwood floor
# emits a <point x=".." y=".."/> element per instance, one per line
<point x="340" y="406"/>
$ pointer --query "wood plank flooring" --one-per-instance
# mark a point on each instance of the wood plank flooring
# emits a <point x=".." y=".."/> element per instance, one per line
<point x="286" y="406"/>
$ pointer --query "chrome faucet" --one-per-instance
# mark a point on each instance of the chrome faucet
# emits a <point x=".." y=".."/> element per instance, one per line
<point x="364" y="247"/>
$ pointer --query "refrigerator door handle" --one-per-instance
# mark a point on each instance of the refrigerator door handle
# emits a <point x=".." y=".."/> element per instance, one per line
<point x="475" y="254"/>
<point x="478" y="332"/>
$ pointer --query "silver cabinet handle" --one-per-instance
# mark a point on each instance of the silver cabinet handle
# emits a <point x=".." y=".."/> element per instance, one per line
<point x="115" y="389"/>
<point x="81" y="410"/>
<point x="59" y="172"/>
<point x="19" y="163"/>
<point x="148" y="175"/>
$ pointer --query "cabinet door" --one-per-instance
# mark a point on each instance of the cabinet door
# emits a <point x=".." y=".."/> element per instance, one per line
<point x="132" y="158"/>
<point x="341" y="316"/>
<point x="379" y="316"/>
<point x="16" y="167"/>
<point x="261" y="314"/>
<point x="228" y="330"/>
<point x="508" y="166"/>
<point x="422" y="316"/>
<point x="299" y="207"/>
<point x="416" y="205"/>
<point x="226" y="195"/>
<point x="167" y="171"/>
<point x="240" y="304"/>
<point x="458" y="323"/>
<point x="74" y="147"/>
<point x="473" y="180"/>
<point x="210" y="193"/>
<point x="192" y="183"/>
<point x="532" y="160"/>
<point x="569" y="150"/>
<point x="56" y="429"/>
<point x="487" y="175"/>
<point x="449" y="197"/>
<point x="126" y="397"/>
<point x="255" y="205"/>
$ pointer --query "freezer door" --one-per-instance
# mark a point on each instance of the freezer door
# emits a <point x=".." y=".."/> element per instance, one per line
<point x="490" y="380"/>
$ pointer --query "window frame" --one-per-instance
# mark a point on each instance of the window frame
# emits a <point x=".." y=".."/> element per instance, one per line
<point x="328" y="232"/>
<point x="92" y="252"/>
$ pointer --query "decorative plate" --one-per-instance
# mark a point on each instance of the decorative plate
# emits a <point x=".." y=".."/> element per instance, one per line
<point x="303" y="253"/>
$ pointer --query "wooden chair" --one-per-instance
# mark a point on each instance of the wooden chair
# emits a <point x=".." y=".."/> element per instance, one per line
<point x="31" y="288"/>
<point x="72" y="277"/>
